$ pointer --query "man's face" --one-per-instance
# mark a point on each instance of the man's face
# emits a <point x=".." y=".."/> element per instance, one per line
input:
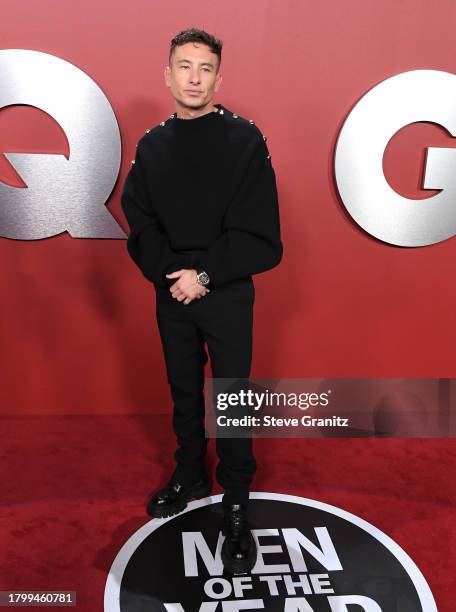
<point x="192" y="75"/>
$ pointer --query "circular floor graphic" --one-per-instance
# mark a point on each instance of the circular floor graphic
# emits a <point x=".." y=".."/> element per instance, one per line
<point x="312" y="557"/>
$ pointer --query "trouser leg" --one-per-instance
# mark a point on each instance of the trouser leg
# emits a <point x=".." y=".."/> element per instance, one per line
<point x="228" y="333"/>
<point x="185" y="357"/>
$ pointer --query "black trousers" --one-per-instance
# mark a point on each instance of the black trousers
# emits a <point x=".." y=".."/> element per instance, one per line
<point x="222" y="320"/>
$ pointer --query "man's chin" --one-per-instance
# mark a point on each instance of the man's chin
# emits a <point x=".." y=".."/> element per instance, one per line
<point x="194" y="103"/>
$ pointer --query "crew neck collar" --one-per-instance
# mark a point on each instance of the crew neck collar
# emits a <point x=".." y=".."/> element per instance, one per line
<point x="200" y="119"/>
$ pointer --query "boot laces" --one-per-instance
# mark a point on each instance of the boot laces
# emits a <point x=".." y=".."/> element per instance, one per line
<point x="237" y="522"/>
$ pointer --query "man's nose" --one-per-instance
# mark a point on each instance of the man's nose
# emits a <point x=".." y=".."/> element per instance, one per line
<point x="194" y="77"/>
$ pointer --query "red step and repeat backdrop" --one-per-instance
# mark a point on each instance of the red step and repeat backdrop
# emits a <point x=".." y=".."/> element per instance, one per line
<point x="78" y="318"/>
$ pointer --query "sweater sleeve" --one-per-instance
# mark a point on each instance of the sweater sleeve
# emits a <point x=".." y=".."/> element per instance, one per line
<point x="147" y="243"/>
<point x="250" y="241"/>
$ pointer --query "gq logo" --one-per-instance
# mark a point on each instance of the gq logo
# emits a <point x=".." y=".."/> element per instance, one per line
<point x="70" y="195"/>
<point x="415" y="96"/>
<point x="62" y="194"/>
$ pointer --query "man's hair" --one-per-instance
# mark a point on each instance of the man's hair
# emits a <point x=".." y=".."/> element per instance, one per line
<point x="200" y="36"/>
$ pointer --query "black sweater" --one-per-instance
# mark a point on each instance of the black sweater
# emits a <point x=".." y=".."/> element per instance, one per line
<point x="201" y="193"/>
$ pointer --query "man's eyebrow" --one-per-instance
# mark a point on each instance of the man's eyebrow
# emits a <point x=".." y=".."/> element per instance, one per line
<point x="201" y="64"/>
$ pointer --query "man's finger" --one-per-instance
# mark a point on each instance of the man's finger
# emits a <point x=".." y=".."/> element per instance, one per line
<point x="174" y="274"/>
<point x="180" y="295"/>
<point x="176" y="284"/>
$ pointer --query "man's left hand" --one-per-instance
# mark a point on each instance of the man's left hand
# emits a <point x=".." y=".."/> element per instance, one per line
<point x="187" y="287"/>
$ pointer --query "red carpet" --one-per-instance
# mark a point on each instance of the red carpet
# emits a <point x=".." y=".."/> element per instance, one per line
<point x="74" y="489"/>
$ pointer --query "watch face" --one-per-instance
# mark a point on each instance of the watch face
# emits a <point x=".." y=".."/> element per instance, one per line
<point x="203" y="278"/>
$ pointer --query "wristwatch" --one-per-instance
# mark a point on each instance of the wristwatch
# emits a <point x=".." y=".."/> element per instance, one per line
<point x="202" y="278"/>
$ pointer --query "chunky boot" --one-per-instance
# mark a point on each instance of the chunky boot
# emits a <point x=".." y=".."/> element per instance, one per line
<point x="239" y="551"/>
<point x="173" y="498"/>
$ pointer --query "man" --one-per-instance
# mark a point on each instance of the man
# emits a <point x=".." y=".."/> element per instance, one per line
<point x="201" y="203"/>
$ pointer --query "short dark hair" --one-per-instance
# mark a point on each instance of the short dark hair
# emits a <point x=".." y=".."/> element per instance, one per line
<point x="196" y="35"/>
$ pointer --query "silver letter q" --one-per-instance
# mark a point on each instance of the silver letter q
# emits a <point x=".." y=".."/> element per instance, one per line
<point x="61" y="195"/>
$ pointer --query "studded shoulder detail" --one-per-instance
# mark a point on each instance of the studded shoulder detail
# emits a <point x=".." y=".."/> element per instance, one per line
<point x="161" y="124"/>
<point x="252" y="122"/>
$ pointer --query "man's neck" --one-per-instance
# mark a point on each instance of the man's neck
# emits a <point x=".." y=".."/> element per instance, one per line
<point x="186" y="113"/>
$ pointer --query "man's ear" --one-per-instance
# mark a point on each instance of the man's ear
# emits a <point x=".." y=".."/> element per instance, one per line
<point x="218" y="82"/>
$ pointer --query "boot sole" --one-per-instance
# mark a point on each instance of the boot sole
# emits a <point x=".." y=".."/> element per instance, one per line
<point x="176" y="508"/>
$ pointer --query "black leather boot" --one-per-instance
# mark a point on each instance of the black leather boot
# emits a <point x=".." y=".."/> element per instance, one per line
<point x="173" y="498"/>
<point x="239" y="551"/>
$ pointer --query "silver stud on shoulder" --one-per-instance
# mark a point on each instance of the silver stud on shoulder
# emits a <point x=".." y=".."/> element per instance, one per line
<point x="221" y="111"/>
<point x="132" y="161"/>
<point x="147" y="131"/>
<point x="264" y="138"/>
<point x="251" y="121"/>
<point x="268" y="157"/>
<point x="162" y="123"/>
<point x="234" y="116"/>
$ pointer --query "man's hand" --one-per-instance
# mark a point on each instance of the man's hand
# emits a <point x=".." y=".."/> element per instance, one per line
<point x="187" y="287"/>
